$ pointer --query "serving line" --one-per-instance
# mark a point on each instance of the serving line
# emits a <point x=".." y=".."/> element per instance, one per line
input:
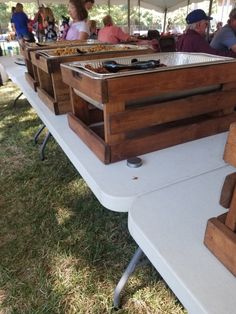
<point x="171" y="236"/>
<point x="116" y="185"/>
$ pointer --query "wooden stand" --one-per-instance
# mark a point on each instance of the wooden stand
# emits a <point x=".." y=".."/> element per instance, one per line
<point x="220" y="235"/>
<point x="143" y="113"/>
<point x="52" y="90"/>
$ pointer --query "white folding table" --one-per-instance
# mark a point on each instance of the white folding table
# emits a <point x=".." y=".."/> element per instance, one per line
<point x="117" y="186"/>
<point x="169" y="226"/>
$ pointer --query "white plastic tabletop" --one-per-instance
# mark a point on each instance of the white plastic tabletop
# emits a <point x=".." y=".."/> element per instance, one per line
<point x="116" y="185"/>
<point x="169" y="227"/>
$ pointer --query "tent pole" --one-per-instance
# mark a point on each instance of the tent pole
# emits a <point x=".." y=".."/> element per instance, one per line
<point x="209" y="13"/>
<point x="109" y="6"/>
<point x="188" y="3"/>
<point x="139" y="16"/>
<point x="164" y="25"/>
<point x="128" y="15"/>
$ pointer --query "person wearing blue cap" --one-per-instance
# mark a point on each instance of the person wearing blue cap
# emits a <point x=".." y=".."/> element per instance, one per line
<point x="193" y="40"/>
<point x="225" y="38"/>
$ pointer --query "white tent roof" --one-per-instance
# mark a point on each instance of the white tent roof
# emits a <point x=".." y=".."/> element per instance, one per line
<point x="158" y="5"/>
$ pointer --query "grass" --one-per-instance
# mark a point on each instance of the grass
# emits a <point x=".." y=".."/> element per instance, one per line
<point x="60" y="250"/>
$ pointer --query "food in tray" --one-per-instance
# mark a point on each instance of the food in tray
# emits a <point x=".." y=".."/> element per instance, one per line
<point x="111" y="66"/>
<point x="91" y="49"/>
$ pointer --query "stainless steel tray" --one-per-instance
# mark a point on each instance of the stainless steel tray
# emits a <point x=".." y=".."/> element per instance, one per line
<point x="172" y="60"/>
<point x="91" y="49"/>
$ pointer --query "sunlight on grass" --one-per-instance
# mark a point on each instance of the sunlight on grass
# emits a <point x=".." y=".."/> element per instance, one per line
<point x="63" y="215"/>
<point x="61" y="250"/>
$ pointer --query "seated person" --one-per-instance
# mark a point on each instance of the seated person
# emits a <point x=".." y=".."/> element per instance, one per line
<point x="225" y="39"/>
<point x="113" y="34"/>
<point x="194" y="38"/>
<point x="93" y="29"/>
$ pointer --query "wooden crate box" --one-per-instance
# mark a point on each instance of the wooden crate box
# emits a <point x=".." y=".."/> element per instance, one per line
<point x="122" y="115"/>
<point x="26" y="49"/>
<point x="52" y="90"/>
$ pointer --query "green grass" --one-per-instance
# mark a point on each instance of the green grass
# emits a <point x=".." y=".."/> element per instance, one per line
<point x="60" y="250"/>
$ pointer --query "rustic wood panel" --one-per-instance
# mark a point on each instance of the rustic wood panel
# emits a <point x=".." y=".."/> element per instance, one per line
<point x="227" y="190"/>
<point x="48" y="101"/>
<point x="45" y="82"/>
<point x="94" y="142"/>
<point x="79" y="107"/>
<point x="221" y="241"/>
<point x="145" y="116"/>
<point x="94" y="88"/>
<point x="230" y="221"/>
<point x="33" y="84"/>
<point x="230" y="147"/>
<point x="169" y="81"/>
<point x="170" y="136"/>
<point x="108" y="109"/>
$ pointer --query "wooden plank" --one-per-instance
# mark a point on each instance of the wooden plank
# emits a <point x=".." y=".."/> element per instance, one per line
<point x="169" y="136"/>
<point x="156" y="83"/>
<point x="227" y="190"/>
<point x="221" y="241"/>
<point x="33" y="84"/>
<point x="230" y="221"/>
<point x="108" y="109"/>
<point x="94" y="142"/>
<point x="230" y="147"/>
<point x="98" y="92"/>
<point x="79" y="107"/>
<point x="141" y="117"/>
<point x="45" y="82"/>
<point x="47" y="100"/>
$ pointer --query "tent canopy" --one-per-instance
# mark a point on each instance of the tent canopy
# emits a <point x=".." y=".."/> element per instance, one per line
<point x="158" y="5"/>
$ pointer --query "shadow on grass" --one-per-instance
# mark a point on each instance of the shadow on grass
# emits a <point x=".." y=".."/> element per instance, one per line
<point x="61" y="251"/>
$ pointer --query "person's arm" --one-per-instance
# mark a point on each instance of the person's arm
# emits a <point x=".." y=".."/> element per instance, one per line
<point x="204" y="47"/>
<point x="83" y="36"/>
<point x="120" y="35"/>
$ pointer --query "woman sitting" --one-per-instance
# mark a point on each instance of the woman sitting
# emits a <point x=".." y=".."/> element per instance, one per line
<point x="79" y="29"/>
<point x="113" y="34"/>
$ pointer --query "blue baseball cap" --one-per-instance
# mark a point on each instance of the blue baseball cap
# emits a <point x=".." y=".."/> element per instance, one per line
<point x="196" y="16"/>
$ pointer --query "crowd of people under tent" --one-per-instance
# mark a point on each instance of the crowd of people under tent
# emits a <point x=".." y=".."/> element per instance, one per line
<point x="78" y="26"/>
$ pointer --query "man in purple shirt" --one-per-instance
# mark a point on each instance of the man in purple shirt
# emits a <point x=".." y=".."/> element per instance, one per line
<point x="194" y="38"/>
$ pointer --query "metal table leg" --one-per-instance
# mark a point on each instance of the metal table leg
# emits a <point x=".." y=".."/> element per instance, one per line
<point x="135" y="261"/>
<point x="38" y="133"/>
<point x="42" y="147"/>
<point x="14" y="103"/>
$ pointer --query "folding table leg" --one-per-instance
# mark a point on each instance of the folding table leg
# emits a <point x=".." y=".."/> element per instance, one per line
<point x="42" y="147"/>
<point x="135" y="261"/>
<point x="14" y="103"/>
<point x="38" y="133"/>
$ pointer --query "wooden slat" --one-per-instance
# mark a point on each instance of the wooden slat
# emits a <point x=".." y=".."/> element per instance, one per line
<point x="79" y="107"/>
<point x="45" y="82"/>
<point x="108" y="109"/>
<point x="227" y="190"/>
<point x="33" y="84"/>
<point x="230" y="221"/>
<point x="141" y="86"/>
<point x="221" y="241"/>
<point x="96" y="89"/>
<point x="94" y="142"/>
<point x="169" y="137"/>
<point x="48" y="101"/>
<point x="230" y="147"/>
<point x="173" y="110"/>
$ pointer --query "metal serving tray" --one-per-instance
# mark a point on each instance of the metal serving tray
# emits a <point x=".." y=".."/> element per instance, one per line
<point x="172" y="60"/>
<point x="88" y="49"/>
